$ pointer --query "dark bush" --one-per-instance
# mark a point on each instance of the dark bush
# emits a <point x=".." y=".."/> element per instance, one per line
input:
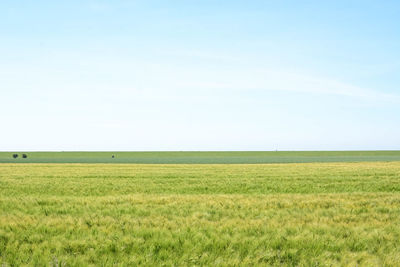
<point x="113" y="156"/>
<point x="15" y="156"/>
<point x="24" y="156"/>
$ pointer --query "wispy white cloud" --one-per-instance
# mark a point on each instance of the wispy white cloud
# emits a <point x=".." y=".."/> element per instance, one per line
<point x="263" y="80"/>
<point x="99" y="6"/>
<point x="285" y="81"/>
<point x="235" y="74"/>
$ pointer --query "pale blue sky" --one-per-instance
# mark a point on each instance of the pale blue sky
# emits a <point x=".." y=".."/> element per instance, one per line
<point x="199" y="75"/>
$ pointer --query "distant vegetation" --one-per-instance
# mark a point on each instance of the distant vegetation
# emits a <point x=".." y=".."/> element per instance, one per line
<point x="313" y="214"/>
<point x="24" y="156"/>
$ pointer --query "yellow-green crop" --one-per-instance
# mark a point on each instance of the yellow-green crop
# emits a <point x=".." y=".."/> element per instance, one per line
<point x="310" y="214"/>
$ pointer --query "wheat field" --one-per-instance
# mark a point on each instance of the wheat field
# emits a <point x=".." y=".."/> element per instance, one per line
<point x="308" y="214"/>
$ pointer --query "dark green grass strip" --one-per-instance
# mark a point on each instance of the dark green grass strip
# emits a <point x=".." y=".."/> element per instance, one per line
<point x="234" y="157"/>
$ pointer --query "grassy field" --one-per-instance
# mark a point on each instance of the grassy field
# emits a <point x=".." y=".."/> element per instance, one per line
<point x="309" y="214"/>
<point x="232" y="157"/>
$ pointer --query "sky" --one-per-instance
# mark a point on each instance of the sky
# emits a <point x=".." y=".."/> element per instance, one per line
<point x="199" y="75"/>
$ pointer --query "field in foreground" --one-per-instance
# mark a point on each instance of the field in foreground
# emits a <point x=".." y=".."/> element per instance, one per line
<point x="201" y="157"/>
<point x="310" y="214"/>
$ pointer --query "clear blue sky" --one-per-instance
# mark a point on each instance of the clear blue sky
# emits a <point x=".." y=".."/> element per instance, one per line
<point x="199" y="75"/>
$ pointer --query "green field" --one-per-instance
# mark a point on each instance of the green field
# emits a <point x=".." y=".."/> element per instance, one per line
<point x="234" y="157"/>
<point x="308" y="214"/>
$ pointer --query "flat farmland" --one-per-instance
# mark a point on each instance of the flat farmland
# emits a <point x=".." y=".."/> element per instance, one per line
<point x="306" y="214"/>
<point x="201" y="157"/>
